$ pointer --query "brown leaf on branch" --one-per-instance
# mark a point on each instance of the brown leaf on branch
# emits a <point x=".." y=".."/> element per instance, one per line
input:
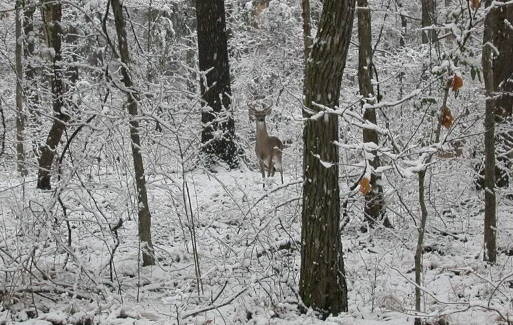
<point x="457" y="83"/>
<point x="475" y="4"/>
<point x="365" y="186"/>
<point x="446" y="119"/>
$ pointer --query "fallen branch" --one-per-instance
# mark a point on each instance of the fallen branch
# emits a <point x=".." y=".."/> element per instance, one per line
<point x="227" y="302"/>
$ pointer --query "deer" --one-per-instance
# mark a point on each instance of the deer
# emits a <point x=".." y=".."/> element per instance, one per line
<point x="268" y="149"/>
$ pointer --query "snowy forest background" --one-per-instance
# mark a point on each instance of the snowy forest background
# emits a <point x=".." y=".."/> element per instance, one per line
<point x="226" y="248"/>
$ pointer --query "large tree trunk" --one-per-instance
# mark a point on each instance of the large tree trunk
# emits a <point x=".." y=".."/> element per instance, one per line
<point x="322" y="283"/>
<point x="307" y="28"/>
<point x="20" y="116"/>
<point x="52" y="17"/>
<point x="132" y="100"/>
<point x="373" y="210"/>
<point x="215" y="84"/>
<point x="498" y="77"/>
<point x="428" y="19"/>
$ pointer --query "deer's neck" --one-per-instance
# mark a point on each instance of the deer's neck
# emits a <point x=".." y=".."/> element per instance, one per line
<point x="261" y="130"/>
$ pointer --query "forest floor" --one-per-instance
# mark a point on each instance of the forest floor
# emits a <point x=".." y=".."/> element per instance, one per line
<point x="247" y="242"/>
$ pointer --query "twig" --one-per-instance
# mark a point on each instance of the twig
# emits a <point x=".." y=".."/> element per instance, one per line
<point x="229" y="301"/>
<point x="220" y="292"/>
<point x="2" y="151"/>
<point x="267" y="194"/>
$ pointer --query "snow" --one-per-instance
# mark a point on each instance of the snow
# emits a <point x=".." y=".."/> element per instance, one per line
<point x="248" y="237"/>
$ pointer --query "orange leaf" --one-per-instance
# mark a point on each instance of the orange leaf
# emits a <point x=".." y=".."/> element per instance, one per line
<point x="475" y="4"/>
<point x="365" y="186"/>
<point x="457" y="82"/>
<point x="446" y="118"/>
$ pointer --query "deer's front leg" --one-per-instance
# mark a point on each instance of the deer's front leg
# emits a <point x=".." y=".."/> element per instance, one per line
<point x="262" y="167"/>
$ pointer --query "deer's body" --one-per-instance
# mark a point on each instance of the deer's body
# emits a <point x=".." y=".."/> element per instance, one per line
<point x="268" y="149"/>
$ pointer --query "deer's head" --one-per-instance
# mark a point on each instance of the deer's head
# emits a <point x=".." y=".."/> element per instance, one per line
<point x="259" y="114"/>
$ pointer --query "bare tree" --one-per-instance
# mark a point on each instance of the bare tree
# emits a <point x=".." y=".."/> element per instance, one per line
<point x="52" y="19"/>
<point x="307" y="28"/>
<point x="498" y="77"/>
<point x="322" y="283"/>
<point x="374" y="210"/>
<point x="428" y="19"/>
<point x="29" y="37"/>
<point x="132" y="107"/>
<point x="20" y="118"/>
<point x="218" y="131"/>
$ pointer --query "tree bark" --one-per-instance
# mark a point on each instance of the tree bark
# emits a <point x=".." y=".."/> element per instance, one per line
<point x="420" y="242"/>
<point x="373" y="210"/>
<point x="322" y="283"/>
<point x="132" y="107"/>
<point x="20" y="115"/>
<point x="428" y="19"/>
<point x="307" y="28"/>
<point x="215" y="87"/>
<point x="404" y="25"/>
<point x="498" y="77"/>
<point x="30" y="89"/>
<point x="52" y="18"/>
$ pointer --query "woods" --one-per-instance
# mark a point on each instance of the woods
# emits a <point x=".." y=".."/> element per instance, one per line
<point x="256" y="162"/>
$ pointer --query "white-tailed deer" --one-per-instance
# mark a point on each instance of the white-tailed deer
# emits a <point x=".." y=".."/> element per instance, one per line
<point x="268" y="149"/>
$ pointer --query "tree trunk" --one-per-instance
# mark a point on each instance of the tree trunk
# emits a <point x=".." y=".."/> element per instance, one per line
<point x="373" y="210"/>
<point x="307" y="28"/>
<point x="404" y="25"/>
<point x="30" y="89"/>
<point x="52" y="19"/>
<point x="428" y="19"/>
<point x="402" y="43"/>
<point x="497" y="72"/>
<point x="217" y="115"/>
<point x="132" y="106"/>
<point x="322" y="283"/>
<point x="420" y="242"/>
<point x="20" y="116"/>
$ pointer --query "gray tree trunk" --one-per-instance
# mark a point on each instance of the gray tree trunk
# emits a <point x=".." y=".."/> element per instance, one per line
<point x="215" y="85"/>
<point x="374" y="203"/>
<point x="428" y="19"/>
<point x="322" y="283"/>
<point x="132" y="106"/>
<point x="498" y="77"/>
<point x="404" y="26"/>
<point x="20" y="115"/>
<point x="52" y="18"/>
<point x="420" y="244"/>
<point x="307" y="28"/>
<point x="30" y="89"/>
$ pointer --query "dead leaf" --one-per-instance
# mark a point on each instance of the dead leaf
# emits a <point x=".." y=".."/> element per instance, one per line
<point x="457" y="83"/>
<point x="446" y="119"/>
<point x="475" y="4"/>
<point x="365" y="186"/>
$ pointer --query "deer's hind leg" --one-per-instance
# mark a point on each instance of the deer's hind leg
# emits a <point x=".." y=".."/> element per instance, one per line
<point x="262" y="168"/>
<point x="270" y="167"/>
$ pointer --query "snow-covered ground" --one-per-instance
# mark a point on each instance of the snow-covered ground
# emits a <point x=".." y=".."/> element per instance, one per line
<point x="248" y="251"/>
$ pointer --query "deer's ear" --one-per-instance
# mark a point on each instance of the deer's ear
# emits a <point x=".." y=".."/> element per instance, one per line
<point x="267" y="110"/>
<point x="251" y="112"/>
<point x="251" y="107"/>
